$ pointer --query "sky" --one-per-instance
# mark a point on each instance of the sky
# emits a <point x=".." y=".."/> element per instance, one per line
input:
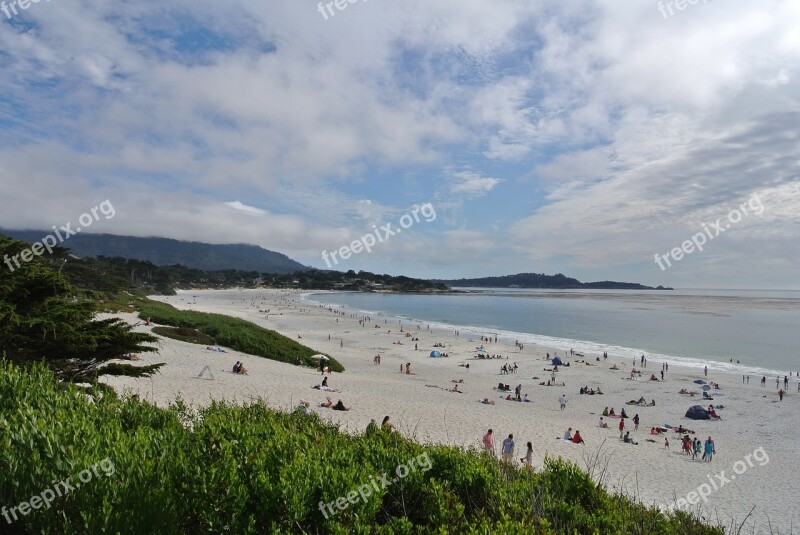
<point x="581" y="137"/>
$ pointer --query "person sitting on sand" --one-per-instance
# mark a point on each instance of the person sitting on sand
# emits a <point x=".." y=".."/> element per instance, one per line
<point x="614" y="367"/>
<point x="325" y="382"/>
<point x="525" y="399"/>
<point x="605" y="411"/>
<point x="603" y="423"/>
<point x="611" y="412"/>
<point x="653" y="377"/>
<point x="628" y="440"/>
<point x="455" y="389"/>
<point x="577" y="438"/>
<point x="568" y="434"/>
<point x="622" y="414"/>
<point x="652" y="403"/>
<point x="242" y="369"/>
<point x="236" y="367"/>
<point x="487" y="401"/>
<point x="340" y="406"/>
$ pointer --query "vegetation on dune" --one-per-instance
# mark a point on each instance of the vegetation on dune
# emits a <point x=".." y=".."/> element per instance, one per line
<point x="184" y="334"/>
<point x="249" y="469"/>
<point x="235" y="333"/>
<point x="44" y="318"/>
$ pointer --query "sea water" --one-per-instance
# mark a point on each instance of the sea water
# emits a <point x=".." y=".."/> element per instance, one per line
<point x="758" y="328"/>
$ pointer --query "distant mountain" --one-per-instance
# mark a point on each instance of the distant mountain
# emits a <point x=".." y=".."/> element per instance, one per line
<point x="540" y="280"/>
<point x="166" y="252"/>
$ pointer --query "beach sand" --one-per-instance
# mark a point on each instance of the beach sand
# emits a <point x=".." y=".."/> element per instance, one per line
<point x="752" y="417"/>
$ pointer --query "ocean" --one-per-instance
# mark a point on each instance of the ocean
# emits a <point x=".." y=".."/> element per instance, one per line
<point x="758" y="328"/>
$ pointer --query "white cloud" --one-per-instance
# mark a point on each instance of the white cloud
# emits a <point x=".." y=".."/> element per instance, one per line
<point x="472" y="184"/>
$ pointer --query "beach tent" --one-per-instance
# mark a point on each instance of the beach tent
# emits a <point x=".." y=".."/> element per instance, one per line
<point x="557" y="362"/>
<point x="435" y="354"/>
<point x="698" y="413"/>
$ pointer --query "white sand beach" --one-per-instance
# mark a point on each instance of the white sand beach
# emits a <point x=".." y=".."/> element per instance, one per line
<point x="752" y="416"/>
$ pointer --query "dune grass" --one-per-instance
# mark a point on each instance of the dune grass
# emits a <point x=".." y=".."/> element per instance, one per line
<point x="235" y="333"/>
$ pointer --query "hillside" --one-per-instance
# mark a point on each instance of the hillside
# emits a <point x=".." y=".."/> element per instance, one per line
<point x="166" y="252"/>
<point x="540" y="280"/>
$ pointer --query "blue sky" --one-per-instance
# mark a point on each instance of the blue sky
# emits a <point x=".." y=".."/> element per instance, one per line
<point x="579" y="137"/>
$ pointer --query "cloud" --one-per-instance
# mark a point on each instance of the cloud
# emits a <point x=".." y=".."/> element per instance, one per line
<point x="472" y="184"/>
<point x="236" y="205"/>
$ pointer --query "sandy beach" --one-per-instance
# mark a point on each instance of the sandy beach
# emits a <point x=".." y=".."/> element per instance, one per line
<point x="753" y="468"/>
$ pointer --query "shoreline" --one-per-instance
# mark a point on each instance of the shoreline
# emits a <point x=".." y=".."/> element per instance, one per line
<point x="423" y="407"/>
<point x="563" y="345"/>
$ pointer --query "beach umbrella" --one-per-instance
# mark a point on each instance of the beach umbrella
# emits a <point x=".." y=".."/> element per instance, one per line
<point x="320" y="357"/>
<point x="706" y="388"/>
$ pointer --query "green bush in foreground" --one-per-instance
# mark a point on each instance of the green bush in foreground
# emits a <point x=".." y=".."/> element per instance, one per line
<point x="235" y="333"/>
<point x="250" y="469"/>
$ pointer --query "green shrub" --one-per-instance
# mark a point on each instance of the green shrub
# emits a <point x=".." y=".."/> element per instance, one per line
<point x="249" y="470"/>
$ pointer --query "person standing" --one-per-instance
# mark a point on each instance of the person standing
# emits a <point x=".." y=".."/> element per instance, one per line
<point x="563" y="401"/>
<point x="780" y="394"/>
<point x="705" y="371"/>
<point x="635" y="422"/>
<point x="488" y="442"/>
<point x="621" y="427"/>
<point x="709" y="450"/>
<point x="508" y="448"/>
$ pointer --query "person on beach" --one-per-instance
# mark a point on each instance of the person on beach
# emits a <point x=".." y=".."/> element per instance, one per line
<point x="508" y="448"/>
<point x="697" y="447"/>
<point x="528" y="459"/>
<point x="577" y="438"/>
<point x="488" y="442"/>
<point x="709" y="450"/>
<point x="563" y="401"/>
<point x="386" y="424"/>
<point x="635" y="422"/>
<point x="603" y="423"/>
<point x="780" y="394"/>
<point x="666" y="443"/>
<point x="621" y="427"/>
<point x="605" y="411"/>
<point x="568" y="435"/>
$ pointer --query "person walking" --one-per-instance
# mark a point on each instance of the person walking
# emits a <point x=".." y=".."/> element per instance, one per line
<point x="508" y="448"/>
<point x="635" y="422"/>
<point x="563" y="401"/>
<point x="528" y="459"/>
<point x="621" y="427"/>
